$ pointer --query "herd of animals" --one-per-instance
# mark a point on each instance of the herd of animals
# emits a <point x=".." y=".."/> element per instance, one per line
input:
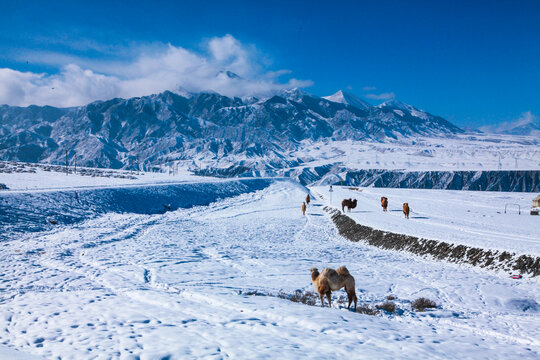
<point x="351" y="204"/>
<point x="332" y="280"/>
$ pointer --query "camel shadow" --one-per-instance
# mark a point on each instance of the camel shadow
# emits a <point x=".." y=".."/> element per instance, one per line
<point x="419" y="217"/>
<point x="315" y="214"/>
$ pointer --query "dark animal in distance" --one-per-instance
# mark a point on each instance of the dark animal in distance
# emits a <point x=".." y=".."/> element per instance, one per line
<point x="406" y="210"/>
<point x="384" y="203"/>
<point x="332" y="280"/>
<point x="308" y="199"/>
<point x="349" y="203"/>
<point x="303" y="208"/>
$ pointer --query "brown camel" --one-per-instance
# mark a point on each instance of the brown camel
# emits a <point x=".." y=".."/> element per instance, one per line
<point x="349" y="203"/>
<point x="406" y="210"/>
<point x="303" y="208"/>
<point x="308" y="199"/>
<point x="332" y="280"/>
<point x="384" y="203"/>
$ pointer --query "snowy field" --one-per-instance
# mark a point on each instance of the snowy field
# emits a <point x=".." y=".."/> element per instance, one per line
<point x="52" y="180"/>
<point x="462" y="152"/>
<point x="177" y="285"/>
<point x="474" y="218"/>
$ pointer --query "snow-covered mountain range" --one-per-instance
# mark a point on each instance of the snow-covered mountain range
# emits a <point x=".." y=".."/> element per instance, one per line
<point x="175" y="126"/>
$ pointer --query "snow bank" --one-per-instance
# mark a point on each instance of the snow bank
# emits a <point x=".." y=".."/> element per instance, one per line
<point x="38" y="211"/>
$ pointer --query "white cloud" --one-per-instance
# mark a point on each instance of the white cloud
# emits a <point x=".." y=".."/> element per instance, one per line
<point x="155" y="69"/>
<point x="383" y="96"/>
<point x="369" y="88"/>
<point x="525" y="124"/>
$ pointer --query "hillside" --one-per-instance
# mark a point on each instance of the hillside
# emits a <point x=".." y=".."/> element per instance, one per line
<point x="166" y="127"/>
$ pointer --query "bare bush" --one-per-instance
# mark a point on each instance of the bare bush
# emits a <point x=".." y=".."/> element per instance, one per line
<point x="299" y="296"/>
<point x="308" y="297"/>
<point x="342" y="300"/>
<point x="387" y="306"/>
<point x="390" y="297"/>
<point x="366" y="309"/>
<point x="422" y="304"/>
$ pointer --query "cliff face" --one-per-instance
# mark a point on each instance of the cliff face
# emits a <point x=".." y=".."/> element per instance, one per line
<point x="526" y="180"/>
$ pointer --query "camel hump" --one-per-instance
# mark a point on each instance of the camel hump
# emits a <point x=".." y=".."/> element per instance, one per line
<point x="329" y="272"/>
<point x="342" y="270"/>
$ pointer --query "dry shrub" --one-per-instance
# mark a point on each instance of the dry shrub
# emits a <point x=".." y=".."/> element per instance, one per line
<point x="387" y="306"/>
<point x="422" y="304"/>
<point x="342" y="300"/>
<point x="307" y="297"/>
<point x="390" y="297"/>
<point x="253" y="293"/>
<point x="366" y="309"/>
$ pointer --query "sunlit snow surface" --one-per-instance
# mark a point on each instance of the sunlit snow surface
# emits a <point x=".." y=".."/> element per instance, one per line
<point x="473" y="218"/>
<point x="174" y="284"/>
<point x="461" y="152"/>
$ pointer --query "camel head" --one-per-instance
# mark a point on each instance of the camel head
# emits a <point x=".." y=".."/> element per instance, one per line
<point x="314" y="273"/>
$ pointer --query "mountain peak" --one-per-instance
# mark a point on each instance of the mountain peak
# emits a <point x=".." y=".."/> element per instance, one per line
<point x="395" y="104"/>
<point x="294" y="94"/>
<point x="347" y="98"/>
<point x="527" y="124"/>
<point x="228" y="74"/>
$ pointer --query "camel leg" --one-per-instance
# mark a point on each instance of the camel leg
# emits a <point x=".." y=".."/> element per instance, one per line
<point x="322" y="301"/>
<point x="351" y="295"/>
<point x="329" y="297"/>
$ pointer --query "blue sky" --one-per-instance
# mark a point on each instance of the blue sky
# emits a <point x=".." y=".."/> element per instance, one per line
<point x="472" y="62"/>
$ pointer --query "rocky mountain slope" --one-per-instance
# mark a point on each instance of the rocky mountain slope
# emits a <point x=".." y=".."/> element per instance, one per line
<point x="173" y="126"/>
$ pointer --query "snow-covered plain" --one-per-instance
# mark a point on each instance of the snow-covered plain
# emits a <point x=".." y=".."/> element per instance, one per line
<point x="52" y="180"/>
<point x="474" y="218"/>
<point x="460" y="152"/>
<point x="177" y="285"/>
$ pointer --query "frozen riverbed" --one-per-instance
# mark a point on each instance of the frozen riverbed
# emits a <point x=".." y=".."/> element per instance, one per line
<point x="178" y="284"/>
